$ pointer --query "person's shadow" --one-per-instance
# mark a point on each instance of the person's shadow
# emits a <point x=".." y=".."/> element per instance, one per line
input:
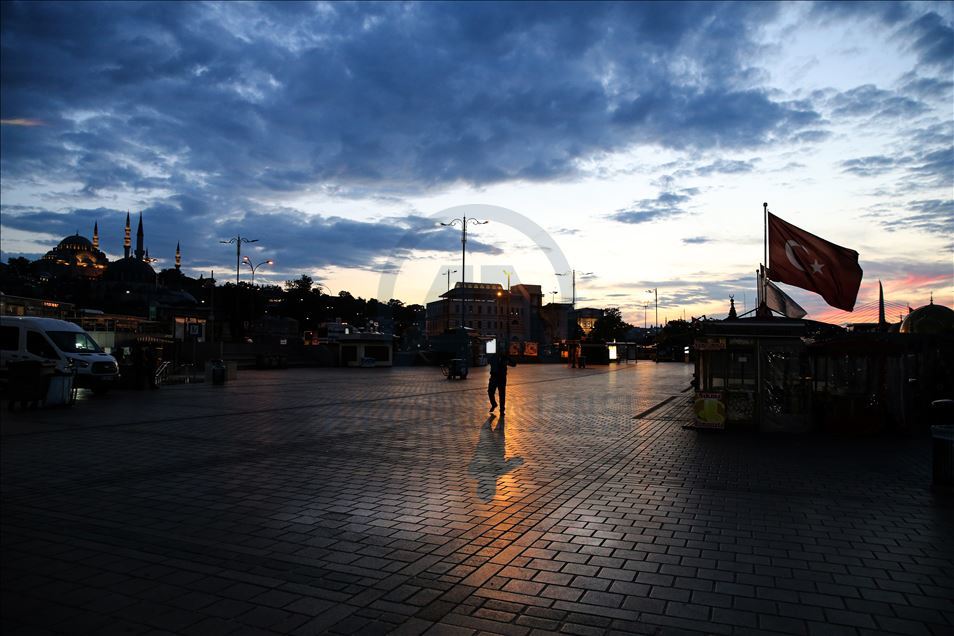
<point x="489" y="461"/>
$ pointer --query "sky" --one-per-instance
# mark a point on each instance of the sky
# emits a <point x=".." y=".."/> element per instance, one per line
<point x="640" y="140"/>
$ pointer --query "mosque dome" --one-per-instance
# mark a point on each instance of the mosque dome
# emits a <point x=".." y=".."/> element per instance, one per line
<point x="130" y="270"/>
<point x="74" y="255"/>
<point x="75" y="243"/>
<point x="930" y="319"/>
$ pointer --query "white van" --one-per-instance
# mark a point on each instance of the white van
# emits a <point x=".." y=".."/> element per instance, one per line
<point x="60" y="342"/>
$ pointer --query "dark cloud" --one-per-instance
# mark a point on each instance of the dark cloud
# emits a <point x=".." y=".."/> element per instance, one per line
<point x="928" y="88"/>
<point x="202" y="111"/>
<point x="719" y="166"/>
<point x="933" y="40"/>
<point x="667" y="205"/>
<point x="258" y="97"/>
<point x="696" y="240"/>
<point x="932" y="216"/>
<point x="687" y="118"/>
<point x="889" y="12"/>
<point x="934" y="167"/>
<point x="871" y="166"/>
<point x="935" y="216"/>
<point x="873" y="102"/>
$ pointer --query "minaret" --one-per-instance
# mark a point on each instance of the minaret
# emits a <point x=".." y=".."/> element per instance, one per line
<point x="95" y="235"/>
<point x="882" y="322"/>
<point x="126" y="242"/>
<point x="139" y="251"/>
<point x="178" y="257"/>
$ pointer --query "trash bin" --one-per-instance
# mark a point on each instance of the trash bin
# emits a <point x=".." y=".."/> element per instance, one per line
<point x="457" y="369"/>
<point x="60" y="392"/>
<point x="218" y="371"/>
<point x="942" y="450"/>
<point x="28" y="382"/>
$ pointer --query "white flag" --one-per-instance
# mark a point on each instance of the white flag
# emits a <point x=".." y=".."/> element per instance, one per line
<point x="779" y="301"/>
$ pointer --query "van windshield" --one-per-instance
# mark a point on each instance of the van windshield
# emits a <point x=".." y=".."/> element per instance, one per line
<point x="74" y="342"/>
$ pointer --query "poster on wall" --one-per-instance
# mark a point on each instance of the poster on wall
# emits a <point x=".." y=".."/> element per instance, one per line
<point x="515" y="348"/>
<point x="709" y="409"/>
<point x="530" y="349"/>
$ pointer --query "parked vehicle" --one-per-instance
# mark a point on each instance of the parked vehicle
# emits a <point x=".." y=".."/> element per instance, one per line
<point x="60" y="342"/>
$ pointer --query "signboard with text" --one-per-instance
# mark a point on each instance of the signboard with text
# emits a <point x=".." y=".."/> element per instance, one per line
<point x="709" y="344"/>
<point x="709" y="409"/>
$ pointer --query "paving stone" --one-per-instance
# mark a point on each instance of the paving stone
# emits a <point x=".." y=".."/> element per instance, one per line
<point x="311" y="501"/>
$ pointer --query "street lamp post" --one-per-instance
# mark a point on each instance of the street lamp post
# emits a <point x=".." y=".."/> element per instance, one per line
<point x="449" y="272"/>
<point x="255" y="267"/>
<point x="509" y="316"/>
<point x="447" y="300"/>
<point x="238" y="240"/>
<point x="572" y="273"/>
<point x="463" y="259"/>
<point x="655" y="292"/>
<point x="553" y="297"/>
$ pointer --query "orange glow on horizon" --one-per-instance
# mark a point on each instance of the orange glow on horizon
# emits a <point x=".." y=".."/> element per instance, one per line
<point x="22" y="121"/>
<point x="912" y="290"/>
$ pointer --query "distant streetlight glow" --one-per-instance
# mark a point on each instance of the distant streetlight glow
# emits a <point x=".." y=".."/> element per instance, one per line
<point x="248" y="262"/>
<point x="238" y="240"/>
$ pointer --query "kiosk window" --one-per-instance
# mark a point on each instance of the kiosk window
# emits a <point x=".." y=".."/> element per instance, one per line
<point x="715" y="370"/>
<point x="38" y="346"/>
<point x="741" y="371"/>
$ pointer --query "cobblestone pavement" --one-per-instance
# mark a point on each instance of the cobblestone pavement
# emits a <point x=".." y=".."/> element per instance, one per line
<point x="367" y="501"/>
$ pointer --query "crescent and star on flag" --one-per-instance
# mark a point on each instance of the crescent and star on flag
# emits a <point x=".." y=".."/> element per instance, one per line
<point x="790" y="246"/>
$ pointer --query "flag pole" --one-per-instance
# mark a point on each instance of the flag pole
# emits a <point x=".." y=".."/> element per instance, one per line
<point x="758" y="287"/>
<point x="765" y="262"/>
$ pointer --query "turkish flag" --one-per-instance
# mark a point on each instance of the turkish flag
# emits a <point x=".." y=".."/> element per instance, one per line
<point x="802" y="259"/>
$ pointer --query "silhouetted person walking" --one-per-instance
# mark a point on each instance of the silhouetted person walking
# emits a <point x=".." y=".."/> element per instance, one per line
<point x="498" y="380"/>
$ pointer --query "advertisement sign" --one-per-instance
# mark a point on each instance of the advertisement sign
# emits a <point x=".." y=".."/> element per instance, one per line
<point x="515" y="348"/>
<point x="491" y="346"/>
<point x="709" y="344"/>
<point x="530" y="349"/>
<point x="612" y="352"/>
<point x="709" y="409"/>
